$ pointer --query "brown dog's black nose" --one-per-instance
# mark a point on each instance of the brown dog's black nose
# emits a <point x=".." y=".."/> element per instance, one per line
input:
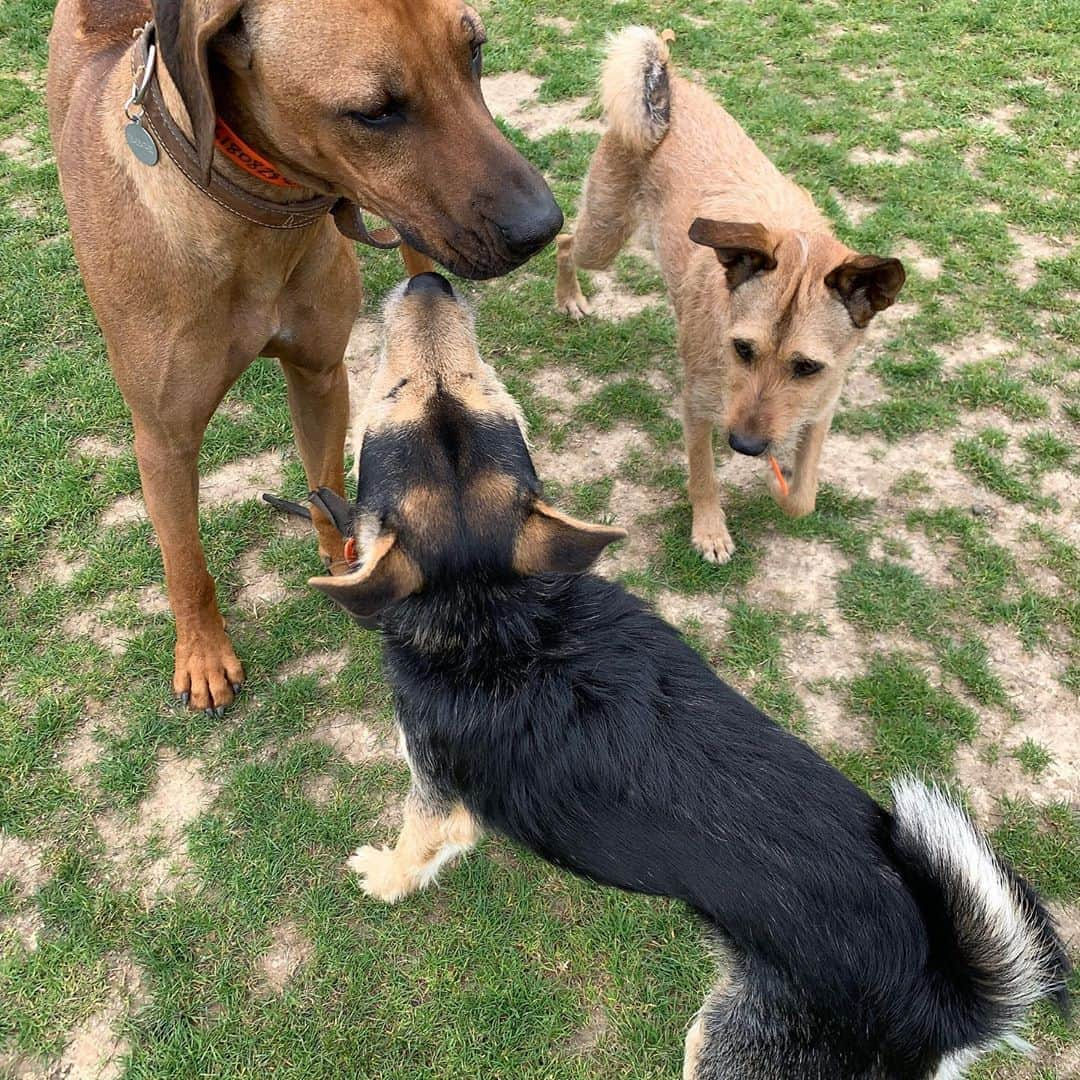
<point x="434" y="284"/>
<point x="531" y="224"/>
<point x="751" y="445"/>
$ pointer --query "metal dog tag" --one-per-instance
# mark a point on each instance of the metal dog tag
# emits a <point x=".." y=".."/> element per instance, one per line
<point x="141" y="142"/>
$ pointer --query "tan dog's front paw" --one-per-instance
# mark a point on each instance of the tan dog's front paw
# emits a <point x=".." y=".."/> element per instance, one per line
<point x="207" y="674"/>
<point x="795" y="503"/>
<point x="713" y="543"/>
<point x="572" y="302"/>
<point x="381" y="875"/>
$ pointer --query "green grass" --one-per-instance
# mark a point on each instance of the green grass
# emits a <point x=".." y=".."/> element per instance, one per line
<point x="933" y="621"/>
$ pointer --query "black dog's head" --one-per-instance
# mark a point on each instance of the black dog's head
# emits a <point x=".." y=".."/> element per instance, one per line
<point x="447" y="489"/>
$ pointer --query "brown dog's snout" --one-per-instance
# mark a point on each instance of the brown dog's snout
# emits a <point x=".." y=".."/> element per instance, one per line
<point x="528" y="219"/>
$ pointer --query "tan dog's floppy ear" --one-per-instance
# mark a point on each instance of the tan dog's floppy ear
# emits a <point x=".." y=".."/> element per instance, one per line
<point x="554" y="543"/>
<point x="867" y="284"/>
<point x="388" y="575"/>
<point x="744" y="249"/>
<point x="184" y="30"/>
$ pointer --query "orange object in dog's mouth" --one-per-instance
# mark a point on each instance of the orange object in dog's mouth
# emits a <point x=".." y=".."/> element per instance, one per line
<point x="350" y="550"/>
<point x="781" y="480"/>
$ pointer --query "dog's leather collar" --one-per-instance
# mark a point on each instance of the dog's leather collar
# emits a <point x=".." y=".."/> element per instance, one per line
<point x="348" y="217"/>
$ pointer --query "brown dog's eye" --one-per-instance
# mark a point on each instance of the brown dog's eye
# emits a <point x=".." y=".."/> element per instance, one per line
<point x="383" y="116"/>
<point x="744" y="350"/>
<point x="804" y="368"/>
<point x="477" y="58"/>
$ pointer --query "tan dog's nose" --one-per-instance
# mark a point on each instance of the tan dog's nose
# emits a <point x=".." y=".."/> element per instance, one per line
<point x="751" y="445"/>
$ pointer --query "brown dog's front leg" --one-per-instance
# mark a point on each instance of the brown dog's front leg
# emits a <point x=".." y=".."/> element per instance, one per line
<point x="207" y="674"/>
<point x="415" y="262"/>
<point x="568" y="295"/>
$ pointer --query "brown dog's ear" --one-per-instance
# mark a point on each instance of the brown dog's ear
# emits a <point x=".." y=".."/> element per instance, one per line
<point x="744" y="249"/>
<point x="867" y="284"/>
<point x="184" y="29"/>
<point x="553" y="543"/>
<point x="388" y="575"/>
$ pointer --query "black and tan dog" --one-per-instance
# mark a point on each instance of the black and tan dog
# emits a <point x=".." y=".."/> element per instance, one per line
<point x="540" y="701"/>
<point x="205" y="163"/>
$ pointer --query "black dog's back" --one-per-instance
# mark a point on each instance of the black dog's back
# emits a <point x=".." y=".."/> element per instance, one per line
<point x="588" y="730"/>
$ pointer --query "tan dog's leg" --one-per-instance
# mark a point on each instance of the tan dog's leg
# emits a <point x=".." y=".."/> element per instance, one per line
<point x="802" y="488"/>
<point x="207" y="673"/>
<point x="709" y="533"/>
<point x="415" y="262"/>
<point x="430" y="838"/>
<point x="319" y="404"/>
<point x="608" y="217"/>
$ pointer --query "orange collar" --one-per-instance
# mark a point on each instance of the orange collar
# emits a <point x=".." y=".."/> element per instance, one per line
<point x="244" y="157"/>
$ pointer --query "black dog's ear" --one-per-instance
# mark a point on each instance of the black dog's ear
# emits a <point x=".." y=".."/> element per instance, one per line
<point x="184" y="30"/>
<point x="387" y="576"/>
<point x="744" y="249"/>
<point x="550" y="542"/>
<point x="866" y="284"/>
<point x="339" y="510"/>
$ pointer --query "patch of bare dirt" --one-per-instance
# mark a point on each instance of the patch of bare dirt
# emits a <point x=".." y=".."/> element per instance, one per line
<point x="18" y="148"/>
<point x="797" y="576"/>
<point x="822" y="138"/>
<point x="25" y="207"/>
<point x="1048" y="716"/>
<point x="290" y="949"/>
<point x="918" y="136"/>
<point x="54" y="568"/>
<point x="24" y="929"/>
<point x="706" y="614"/>
<point x="82" y="748"/>
<point x="96" y="1050"/>
<point x="513" y="97"/>
<point x="588" y="457"/>
<point x="261" y="588"/>
<point x="152" y="600"/>
<point x="24" y="862"/>
<point x="630" y="503"/>
<point x="180" y="795"/>
<point x="239" y="481"/>
<point x="557" y="22"/>
<point x="325" y="664"/>
<point x="319" y="790"/>
<point x="613" y="302"/>
<point x="589" y="1036"/>
<point x="1000" y="120"/>
<point x="97" y="446"/>
<point x="1033" y="250"/>
<point x="981" y="346"/>
<point x="564" y="387"/>
<point x="88" y="623"/>
<point x="354" y="740"/>
<point x="926" y="266"/>
<point x="859" y="156"/>
<point x="862" y="388"/>
<point x="856" y="209"/>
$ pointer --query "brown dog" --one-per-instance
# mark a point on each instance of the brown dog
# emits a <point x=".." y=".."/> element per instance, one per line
<point x="373" y="101"/>
<point x="769" y="303"/>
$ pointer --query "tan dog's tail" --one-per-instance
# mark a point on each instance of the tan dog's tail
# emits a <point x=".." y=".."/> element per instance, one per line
<point x="636" y="89"/>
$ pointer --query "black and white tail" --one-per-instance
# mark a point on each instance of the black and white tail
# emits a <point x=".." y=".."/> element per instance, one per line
<point x="636" y="89"/>
<point x="1007" y="951"/>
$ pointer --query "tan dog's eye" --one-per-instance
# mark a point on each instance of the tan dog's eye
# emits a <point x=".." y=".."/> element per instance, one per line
<point x="477" y="58"/>
<point x="803" y="368"/>
<point x="744" y="350"/>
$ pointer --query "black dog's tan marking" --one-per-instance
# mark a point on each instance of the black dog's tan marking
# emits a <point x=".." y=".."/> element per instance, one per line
<point x="552" y="706"/>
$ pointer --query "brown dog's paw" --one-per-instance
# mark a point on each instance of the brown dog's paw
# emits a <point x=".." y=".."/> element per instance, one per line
<point x="207" y="674"/>
<point x="569" y="299"/>
<point x="381" y="875"/>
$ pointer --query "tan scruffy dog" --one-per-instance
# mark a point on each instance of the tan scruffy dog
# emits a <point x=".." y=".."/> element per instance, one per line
<point x="770" y="305"/>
